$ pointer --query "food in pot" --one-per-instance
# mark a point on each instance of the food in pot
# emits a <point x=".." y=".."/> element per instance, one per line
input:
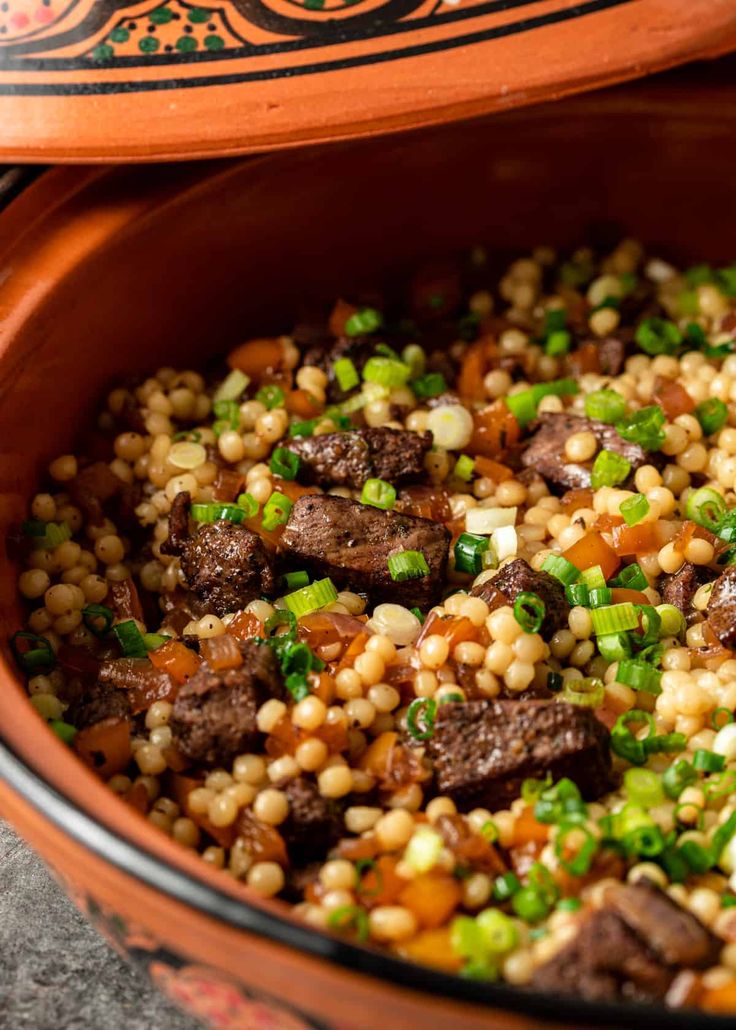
<point x="423" y="619"/>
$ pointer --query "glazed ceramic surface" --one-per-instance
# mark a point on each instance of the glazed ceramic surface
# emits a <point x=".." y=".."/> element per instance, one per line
<point x="151" y="79"/>
<point x="105" y="273"/>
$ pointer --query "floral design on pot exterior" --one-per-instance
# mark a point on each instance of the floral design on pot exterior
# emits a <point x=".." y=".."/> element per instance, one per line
<point x="82" y="79"/>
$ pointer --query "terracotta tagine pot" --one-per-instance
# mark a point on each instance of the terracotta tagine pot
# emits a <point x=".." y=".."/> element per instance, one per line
<point x="94" y="80"/>
<point x="108" y="272"/>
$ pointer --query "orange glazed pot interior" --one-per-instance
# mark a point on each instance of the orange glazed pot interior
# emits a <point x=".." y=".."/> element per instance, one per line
<point x="108" y="273"/>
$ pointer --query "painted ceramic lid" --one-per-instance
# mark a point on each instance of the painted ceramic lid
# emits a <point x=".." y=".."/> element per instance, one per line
<point x="152" y="79"/>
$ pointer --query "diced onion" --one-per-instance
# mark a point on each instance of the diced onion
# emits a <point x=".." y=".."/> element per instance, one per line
<point x="504" y="543"/>
<point x="451" y="426"/>
<point x="401" y="626"/>
<point x="232" y="386"/>
<point x="483" y="521"/>
<point x="724" y="742"/>
<point x="187" y="455"/>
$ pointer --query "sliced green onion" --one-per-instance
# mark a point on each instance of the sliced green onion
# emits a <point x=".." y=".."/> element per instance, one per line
<point x="676" y="777"/>
<point x="558" y="342"/>
<point x="63" y="730"/>
<point x="650" y="624"/>
<point x="505" y="886"/>
<point x="577" y="594"/>
<point x="310" y="599"/>
<point x="130" y="639"/>
<point x="605" y="406"/>
<point x="232" y="386"/>
<point x="407" y="565"/>
<point x="413" y="355"/>
<point x="561" y="569"/>
<point x="499" y="933"/>
<point x="249" y="505"/>
<point x="638" y="675"/>
<point x="154" y="640"/>
<point x="614" y="646"/>
<point x="645" y="841"/>
<point x="569" y="905"/>
<point x="350" y="917"/>
<point x="489" y="830"/>
<point x="420" y="716"/>
<point x="584" y="854"/>
<point x="658" y="336"/>
<point x="418" y="613"/>
<point x="57" y="533"/>
<point x="295" y="580"/>
<point x="469" y="551"/>
<point x="631" y="577"/>
<point x="609" y="469"/>
<point x="708" y="761"/>
<point x="697" y="857"/>
<point x="530" y="905"/>
<point x="721" y="717"/>
<point x="623" y="741"/>
<point x="228" y="412"/>
<point x="217" y="513"/>
<point x="643" y="787"/>
<point x="98" y="619"/>
<point x="706" y="507"/>
<point x="615" y="618"/>
<point x="554" y="319"/>
<point x="346" y="374"/>
<point x="466" y="940"/>
<point x="712" y="415"/>
<point x="363" y="321"/>
<point x="529" y="611"/>
<point x="599" y="597"/>
<point x="386" y="372"/>
<point x="560" y="802"/>
<point x="276" y="511"/>
<point x="723" y="835"/>
<point x="587" y="693"/>
<point x="303" y="428"/>
<point x="464" y="467"/>
<point x="33" y="653"/>
<point x="665" y="743"/>
<point x="284" y="463"/>
<point x="532" y="789"/>
<point x="643" y="427"/>
<point x="555" y="388"/>
<point x="634" y="509"/>
<point x="522" y="406"/>
<point x="593" y="577"/>
<point x="430" y="385"/>
<point x="271" y="396"/>
<point x="379" y="494"/>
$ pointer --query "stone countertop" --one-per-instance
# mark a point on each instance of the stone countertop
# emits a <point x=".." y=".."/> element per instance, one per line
<point x="56" y="972"/>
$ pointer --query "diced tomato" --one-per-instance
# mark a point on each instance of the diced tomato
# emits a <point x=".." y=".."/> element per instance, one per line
<point x="455" y="628"/>
<point x="381" y="884"/>
<point x="227" y="485"/>
<point x="221" y="652"/>
<point x="621" y="594"/>
<point x="105" y="746"/>
<point x="528" y="829"/>
<point x="635" y="540"/>
<point x="176" y="660"/>
<point x="672" y="398"/>
<point x="495" y="430"/>
<point x="341" y="312"/>
<point x="245" y="626"/>
<point x="257" y="358"/>
<point x="574" y="500"/>
<point x="432" y="897"/>
<point x="431" y="948"/>
<point x="591" y="550"/>
<point x="492" y="469"/>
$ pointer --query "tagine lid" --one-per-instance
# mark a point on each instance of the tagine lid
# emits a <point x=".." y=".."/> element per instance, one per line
<point x="102" y="80"/>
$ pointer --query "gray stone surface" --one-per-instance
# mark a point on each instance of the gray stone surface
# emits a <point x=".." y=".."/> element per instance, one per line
<point x="56" y="973"/>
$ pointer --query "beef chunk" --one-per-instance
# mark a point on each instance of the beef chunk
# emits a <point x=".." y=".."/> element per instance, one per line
<point x="313" y="824"/>
<point x="611" y="355"/>
<point x="545" y="452"/>
<point x="178" y="524"/>
<point x="226" y="566"/>
<point x="517" y="577"/>
<point x="483" y="750"/>
<point x="680" y="587"/>
<point x="671" y="932"/>
<point x="721" y="609"/>
<point x="99" y="702"/>
<point x="351" y="543"/>
<point x="214" y="715"/>
<point x="348" y="459"/>
<point x="606" y="961"/>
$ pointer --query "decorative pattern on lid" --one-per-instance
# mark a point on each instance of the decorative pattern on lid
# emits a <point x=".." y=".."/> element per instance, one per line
<point x="86" y="79"/>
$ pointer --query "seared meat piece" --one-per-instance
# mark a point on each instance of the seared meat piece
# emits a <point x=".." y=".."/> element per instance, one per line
<point x="611" y="355"/>
<point x="351" y="543"/>
<point x="721" y="611"/>
<point x="680" y="587"/>
<point x="606" y="961"/>
<point x="483" y="750"/>
<point x="225" y="564"/>
<point x="348" y="459"/>
<point x="545" y="452"/>
<point x="178" y="524"/>
<point x="518" y="577"/>
<point x="313" y="824"/>
<point x="99" y="702"/>
<point x="672" y="933"/>
<point x="214" y="715"/>
<point x="92" y="487"/>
